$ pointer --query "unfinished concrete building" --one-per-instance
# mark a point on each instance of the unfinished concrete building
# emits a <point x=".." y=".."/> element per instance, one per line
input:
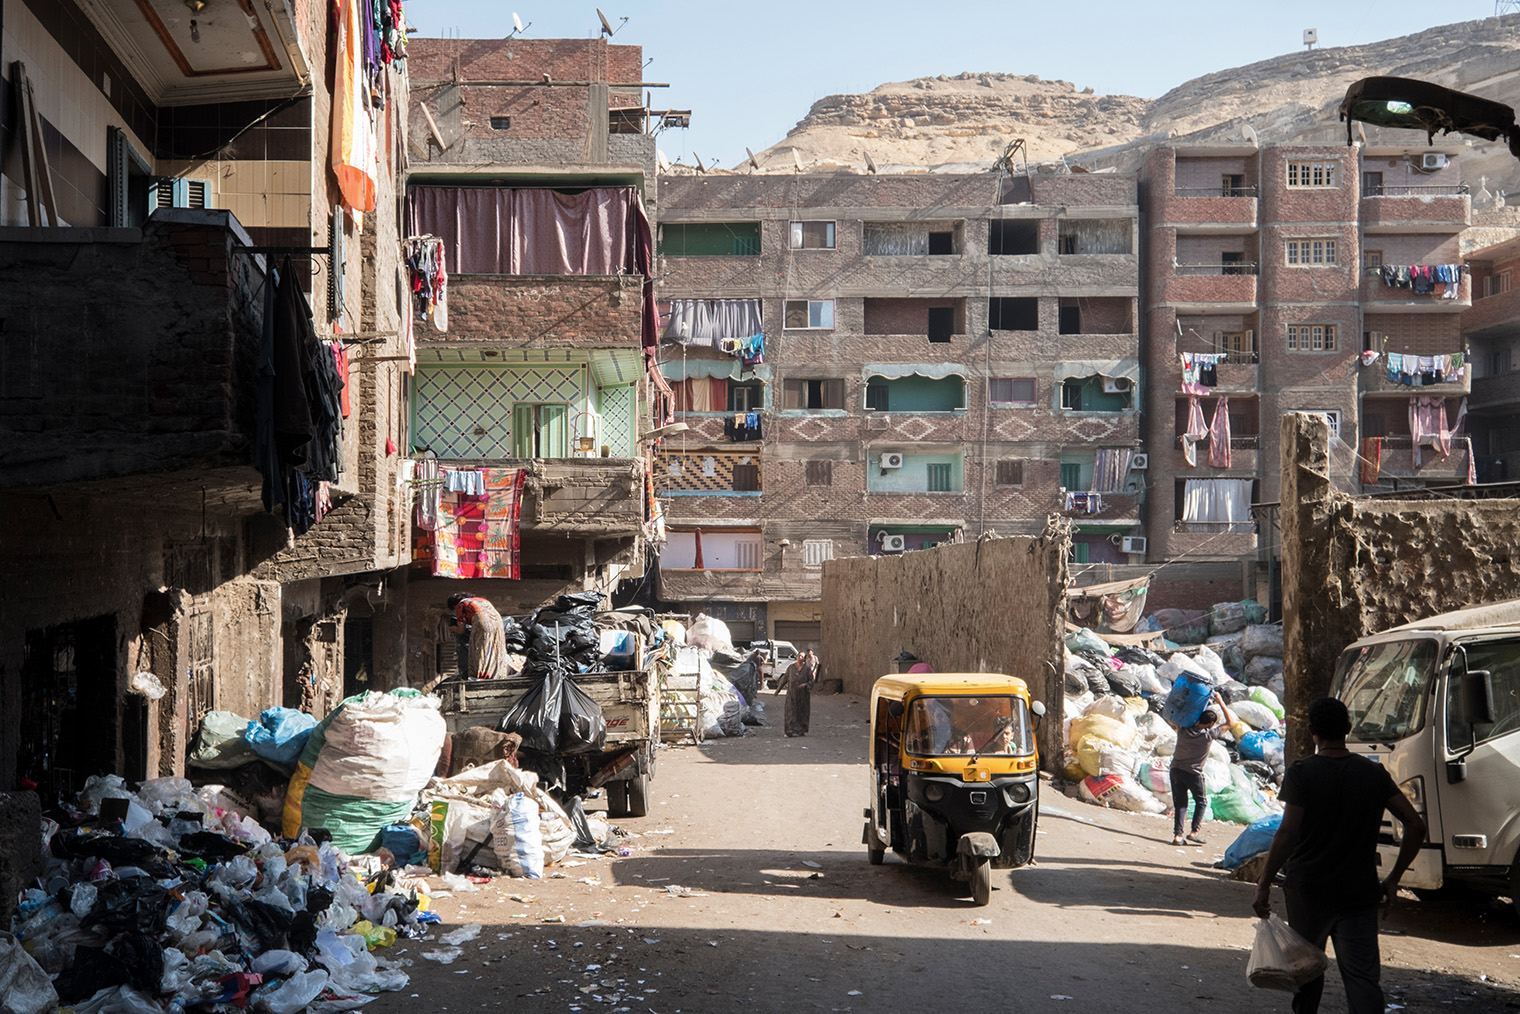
<point x="873" y="364"/>
<point x="1491" y="329"/>
<point x="531" y="170"/>
<point x="157" y="172"/>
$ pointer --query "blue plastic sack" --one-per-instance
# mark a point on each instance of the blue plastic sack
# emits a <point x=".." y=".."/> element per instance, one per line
<point x="280" y="734"/>
<point x="1255" y="839"/>
<point x="1259" y="745"/>
<point x="1189" y="696"/>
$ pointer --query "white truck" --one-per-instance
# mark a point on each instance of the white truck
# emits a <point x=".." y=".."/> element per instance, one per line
<point x="1437" y="703"/>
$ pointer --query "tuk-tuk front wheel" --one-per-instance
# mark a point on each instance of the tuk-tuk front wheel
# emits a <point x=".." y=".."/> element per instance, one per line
<point x="875" y="850"/>
<point x="981" y="881"/>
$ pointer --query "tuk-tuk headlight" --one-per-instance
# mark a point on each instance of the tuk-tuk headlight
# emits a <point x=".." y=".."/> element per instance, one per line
<point x="1018" y="792"/>
<point x="934" y="792"/>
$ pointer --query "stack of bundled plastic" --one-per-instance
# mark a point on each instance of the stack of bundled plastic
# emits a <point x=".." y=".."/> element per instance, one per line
<point x="170" y="901"/>
<point x="1123" y="707"/>
<point x="701" y="689"/>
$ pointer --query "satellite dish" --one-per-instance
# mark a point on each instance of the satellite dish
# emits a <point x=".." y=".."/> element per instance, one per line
<point x="700" y="167"/>
<point x="517" y="25"/>
<point x="606" y="25"/>
<point x="796" y="160"/>
<point x="1249" y="133"/>
<point x="661" y="162"/>
<point x="752" y="163"/>
<point x="870" y="163"/>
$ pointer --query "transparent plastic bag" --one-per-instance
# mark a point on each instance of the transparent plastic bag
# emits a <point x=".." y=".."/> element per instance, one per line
<point x="1281" y="959"/>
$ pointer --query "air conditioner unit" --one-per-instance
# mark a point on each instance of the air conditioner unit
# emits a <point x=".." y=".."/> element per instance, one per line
<point x="892" y="544"/>
<point x="1140" y="462"/>
<point x="1116" y="385"/>
<point x="1433" y="160"/>
<point x="1133" y="544"/>
<point x="891" y="461"/>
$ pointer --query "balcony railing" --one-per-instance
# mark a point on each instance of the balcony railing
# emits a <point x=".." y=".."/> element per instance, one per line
<point x="1437" y="190"/>
<point x="1215" y="527"/>
<point x="1215" y="191"/>
<point x="1237" y="357"/>
<point x="1241" y="443"/>
<point x="1233" y="268"/>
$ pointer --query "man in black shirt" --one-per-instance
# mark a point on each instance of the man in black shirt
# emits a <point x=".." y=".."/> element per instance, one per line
<point x="1334" y="803"/>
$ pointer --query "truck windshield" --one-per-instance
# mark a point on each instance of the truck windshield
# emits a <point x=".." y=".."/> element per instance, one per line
<point x="969" y="725"/>
<point x="1384" y="686"/>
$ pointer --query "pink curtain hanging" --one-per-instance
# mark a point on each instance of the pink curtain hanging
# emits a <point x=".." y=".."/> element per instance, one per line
<point x="1427" y="418"/>
<point x="1219" y="434"/>
<point x="1197" y="429"/>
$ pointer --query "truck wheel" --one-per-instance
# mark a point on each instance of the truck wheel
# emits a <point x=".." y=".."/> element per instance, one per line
<point x="638" y="796"/>
<point x="617" y="799"/>
<point x="981" y="881"/>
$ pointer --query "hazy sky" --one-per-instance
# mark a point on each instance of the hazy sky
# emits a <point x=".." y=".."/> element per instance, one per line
<point x="749" y="72"/>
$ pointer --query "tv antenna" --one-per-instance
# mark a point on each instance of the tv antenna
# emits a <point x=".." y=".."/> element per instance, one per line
<point x="518" y="27"/>
<point x="607" y="28"/>
<point x="1503" y="7"/>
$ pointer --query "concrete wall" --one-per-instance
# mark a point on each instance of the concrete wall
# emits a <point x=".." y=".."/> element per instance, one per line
<point x="997" y="605"/>
<point x="1355" y="566"/>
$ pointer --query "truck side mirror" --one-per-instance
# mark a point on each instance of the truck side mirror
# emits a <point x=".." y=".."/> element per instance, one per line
<point x="895" y="709"/>
<point x="1478" y="697"/>
<point x="1038" y="708"/>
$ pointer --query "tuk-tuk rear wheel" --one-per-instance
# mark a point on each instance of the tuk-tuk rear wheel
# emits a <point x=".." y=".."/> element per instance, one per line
<point x="877" y="854"/>
<point x="981" y="881"/>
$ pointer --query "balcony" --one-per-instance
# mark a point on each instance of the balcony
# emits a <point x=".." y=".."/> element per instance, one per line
<point x="590" y="496"/>
<point x="1112" y="507"/>
<point x="1502" y="392"/>
<point x="1378" y="297"/>
<point x="1442" y="208"/>
<point x="132" y="353"/>
<point x="1492" y="316"/>
<point x="1374" y="380"/>
<point x="541" y="311"/>
<point x="1195" y="209"/>
<point x="1244" y="457"/>
<point x="1233" y="283"/>
<point x="1397" y="461"/>
<point x="740" y="585"/>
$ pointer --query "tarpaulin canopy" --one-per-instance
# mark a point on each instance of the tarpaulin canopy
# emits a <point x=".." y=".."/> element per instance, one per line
<point x="895" y="371"/>
<point x="1129" y="369"/>
<point x="682" y="369"/>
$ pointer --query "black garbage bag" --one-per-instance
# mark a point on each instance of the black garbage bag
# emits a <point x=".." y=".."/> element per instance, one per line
<point x="584" y="839"/>
<point x="582" y="727"/>
<point x="514" y="634"/>
<point x="536" y="715"/>
<point x="1233" y="692"/>
<point x="210" y="846"/>
<point x="1073" y="683"/>
<point x="75" y="843"/>
<point x="1096" y="681"/>
<point x="746" y="677"/>
<point x="1136" y="655"/>
<point x="143" y="958"/>
<point x="581" y="601"/>
<point x="135" y="905"/>
<point x="259" y="922"/>
<point x="91" y="971"/>
<point x="1122" y="683"/>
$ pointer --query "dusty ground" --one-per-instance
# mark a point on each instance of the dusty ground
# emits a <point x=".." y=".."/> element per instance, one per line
<point x="789" y="916"/>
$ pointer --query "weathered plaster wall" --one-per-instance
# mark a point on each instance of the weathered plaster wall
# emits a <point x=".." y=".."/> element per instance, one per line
<point x="997" y="605"/>
<point x="1352" y="567"/>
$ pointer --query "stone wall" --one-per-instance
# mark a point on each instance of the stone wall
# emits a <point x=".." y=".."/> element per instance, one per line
<point x="997" y="605"/>
<point x="1355" y="566"/>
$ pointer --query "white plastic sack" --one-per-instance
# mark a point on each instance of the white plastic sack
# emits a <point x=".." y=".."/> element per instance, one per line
<point x="382" y="747"/>
<point x="1150" y="683"/>
<point x="1257" y="716"/>
<point x="1211" y="664"/>
<point x="1113" y="760"/>
<point x="1281" y="959"/>
<point x="712" y="634"/>
<point x="1111" y="705"/>
<point x="1264" y="639"/>
<point x="1123" y="793"/>
<point x="518" y="837"/>
<point x="1075" y="706"/>
<point x="1156" y="736"/>
<point x="24" y="987"/>
<point x="1178" y="664"/>
<point x="292" y="995"/>
<point x="467" y="824"/>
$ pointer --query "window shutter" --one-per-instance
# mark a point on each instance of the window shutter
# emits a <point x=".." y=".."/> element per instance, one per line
<point x="522" y="431"/>
<point x="791" y="393"/>
<point x="833" y="394"/>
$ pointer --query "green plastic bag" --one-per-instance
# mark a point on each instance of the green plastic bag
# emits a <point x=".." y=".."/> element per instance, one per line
<point x="1268" y="700"/>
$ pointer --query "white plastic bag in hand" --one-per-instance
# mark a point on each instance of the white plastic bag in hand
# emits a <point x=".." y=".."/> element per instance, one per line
<point x="1281" y="959"/>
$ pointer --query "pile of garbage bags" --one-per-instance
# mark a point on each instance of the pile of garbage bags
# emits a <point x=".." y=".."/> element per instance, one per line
<point x="1123" y="708"/>
<point x="163" y="899"/>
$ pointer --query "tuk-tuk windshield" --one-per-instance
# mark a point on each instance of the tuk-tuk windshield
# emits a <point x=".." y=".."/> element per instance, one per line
<point x="1384" y="687"/>
<point x="941" y="726"/>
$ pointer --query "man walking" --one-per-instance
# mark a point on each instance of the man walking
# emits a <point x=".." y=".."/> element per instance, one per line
<point x="1334" y="803"/>
<point x="798" y="682"/>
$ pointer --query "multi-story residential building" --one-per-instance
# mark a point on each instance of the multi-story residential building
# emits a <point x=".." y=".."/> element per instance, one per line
<point x="943" y="356"/>
<point x="160" y="353"/>
<point x="1492" y="331"/>
<point x="530" y="165"/>
<point x="1308" y="279"/>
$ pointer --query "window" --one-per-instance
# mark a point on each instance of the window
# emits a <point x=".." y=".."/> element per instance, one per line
<point x="1496" y="284"/>
<point x="1079" y="553"/>
<point x="941" y="243"/>
<point x="1232" y="185"/>
<point x="539" y="431"/>
<point x="1070" y="320"/>
<point x="820" y="473"/>
<point x="816" y="551"/>
<point x="1238" y="342"/>
<point x="1071" y="395"/>
<point x="812" y="235"/>
<point x="501" y="123"/>
<point x="1373" y="259"/>
<point x="1311" y="337"/>
<point x="1011" y="390"/>
<point x="876" y="397"/>
<point x="710" y="239"/>
<point x="1501" y="659"/>
<point x="1013" y="313"/>
<point x="1071" y="475"/>
<point x="809" y="314"/>
<point x="1013" y="236"/>
<point x="1009" y="472"/>
<point x="941" y="323"/>
<point x="1095" y="236"/>
<point x="940" y="478"/>
<point x="813" y="394"/>
<point x="746" y="397"/>
<point x="1499" y="362"/>
<point x="1372" y="184"/>
<point x="1306" y="252"/>
<point x="747" y="554"/>
<point x="1334" y="417"/>
<point x="746" y="478"/>
<point x="1311" y="174"/>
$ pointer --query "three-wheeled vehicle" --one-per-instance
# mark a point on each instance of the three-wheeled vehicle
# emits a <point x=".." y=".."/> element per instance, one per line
<point x="954" y="774"/>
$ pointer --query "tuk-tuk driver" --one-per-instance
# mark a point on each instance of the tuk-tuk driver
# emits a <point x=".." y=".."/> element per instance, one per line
<point x="1003" y="740"/>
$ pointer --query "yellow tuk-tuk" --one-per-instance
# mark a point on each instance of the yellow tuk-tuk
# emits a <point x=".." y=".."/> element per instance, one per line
<point x="954" y="774"/>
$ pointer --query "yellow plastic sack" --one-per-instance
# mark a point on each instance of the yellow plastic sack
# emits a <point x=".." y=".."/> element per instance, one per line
<point x="374" y="936"/>
<point x="1116" y="732"/>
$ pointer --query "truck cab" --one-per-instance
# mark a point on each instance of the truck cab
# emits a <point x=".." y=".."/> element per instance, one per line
<point x="1437" y="703"/>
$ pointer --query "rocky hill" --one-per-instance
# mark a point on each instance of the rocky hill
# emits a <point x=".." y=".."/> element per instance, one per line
<point x="964" y="122"/>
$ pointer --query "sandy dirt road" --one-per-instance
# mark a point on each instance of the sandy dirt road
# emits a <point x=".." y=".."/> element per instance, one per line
<point x="789" y="916"/>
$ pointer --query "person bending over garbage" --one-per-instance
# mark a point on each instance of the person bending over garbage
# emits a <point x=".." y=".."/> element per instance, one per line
<point x="1192" y="750"/>
<point x="487" y="654"/>
<point x="798" y="682"/>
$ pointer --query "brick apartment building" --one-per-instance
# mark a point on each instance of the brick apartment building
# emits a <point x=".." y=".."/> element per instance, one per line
<point x="531" y="164"/>
<point x="943" y="355"/>
<point x="1274" y="259"/>
<point x="1492" y="331"/>
<point x="185" y="158"/>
